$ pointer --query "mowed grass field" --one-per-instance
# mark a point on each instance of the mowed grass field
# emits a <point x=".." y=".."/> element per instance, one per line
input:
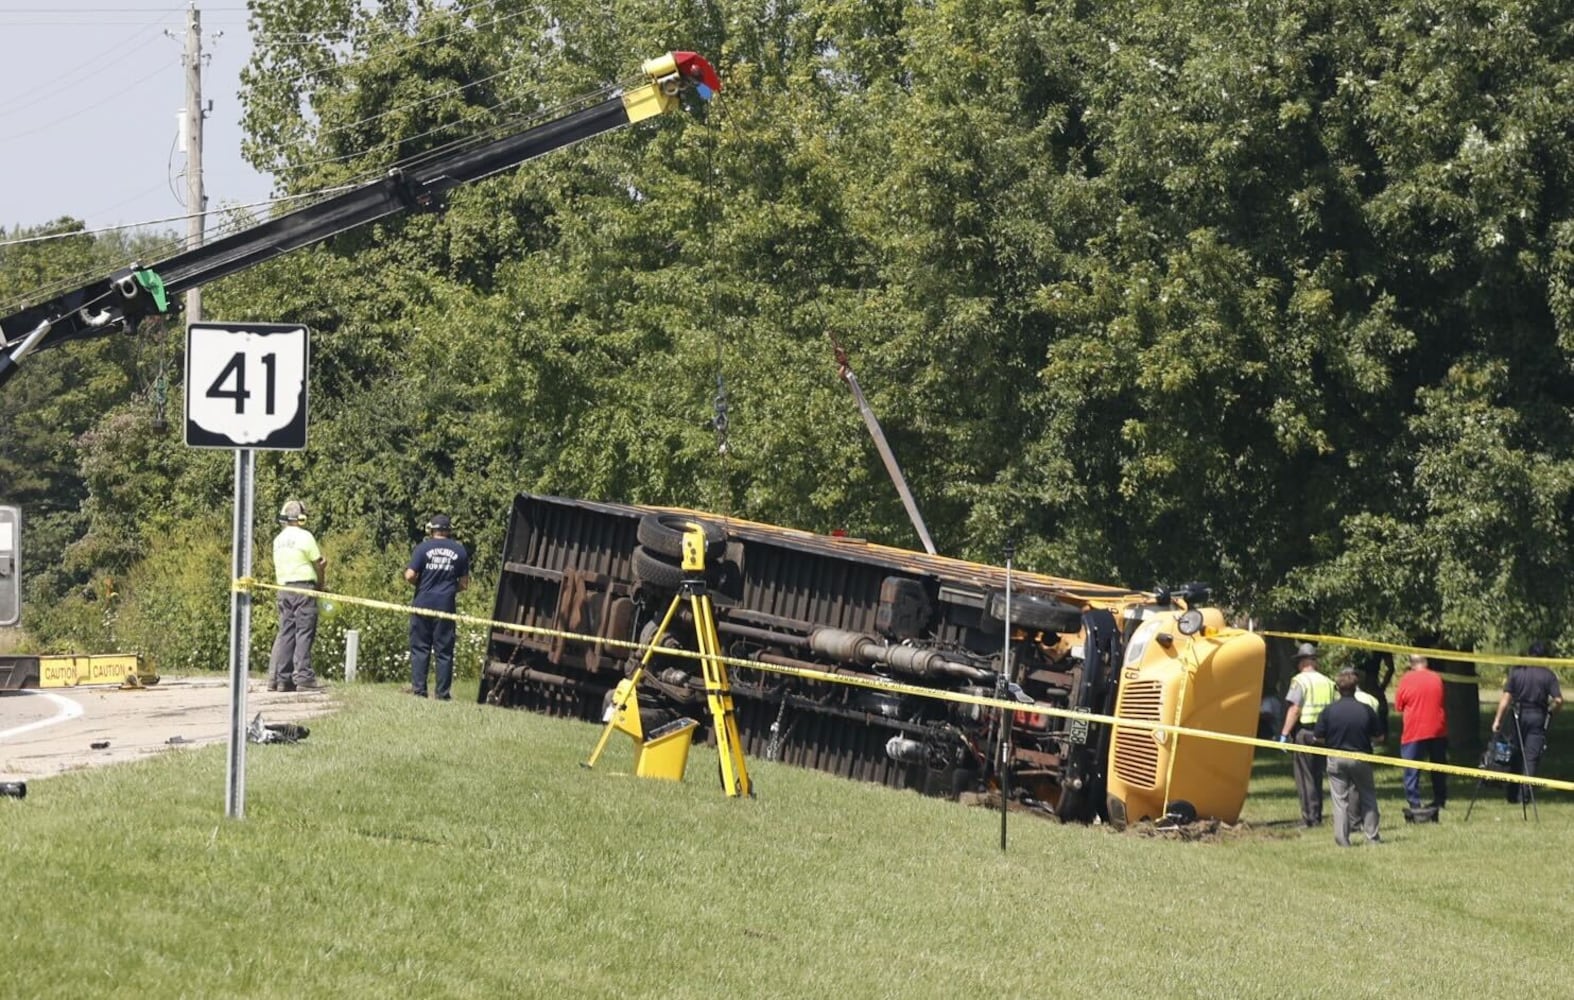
<point x="417" y="849"/>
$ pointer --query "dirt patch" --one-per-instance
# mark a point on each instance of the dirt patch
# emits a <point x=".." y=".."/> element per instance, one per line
<point x="43" y="733"/>
<point x="1202" y="830"/>
<point x="990" y="799"/>
<point x="1209" y="831"/>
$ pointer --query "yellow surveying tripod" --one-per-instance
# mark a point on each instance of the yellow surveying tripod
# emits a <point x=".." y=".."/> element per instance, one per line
<point x="718" y="691"/>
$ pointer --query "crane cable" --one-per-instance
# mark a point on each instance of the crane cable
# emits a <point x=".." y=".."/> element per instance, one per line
<point x="720" y="406"/>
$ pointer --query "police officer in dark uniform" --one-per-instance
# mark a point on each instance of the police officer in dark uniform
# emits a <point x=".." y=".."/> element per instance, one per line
<point x="1532" y="692"/>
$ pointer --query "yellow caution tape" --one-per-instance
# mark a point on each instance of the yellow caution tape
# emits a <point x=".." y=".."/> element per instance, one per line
<point x="1506" y="659"/>
<point x="246" y="584"/>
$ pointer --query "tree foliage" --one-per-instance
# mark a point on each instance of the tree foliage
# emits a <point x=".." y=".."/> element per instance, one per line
<point x="1274" y="294"/>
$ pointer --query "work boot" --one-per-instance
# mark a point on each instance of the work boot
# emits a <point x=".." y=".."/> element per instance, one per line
<point x="311" y="685"/>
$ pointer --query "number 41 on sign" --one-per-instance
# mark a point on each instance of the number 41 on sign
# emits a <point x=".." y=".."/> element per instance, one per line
<point x="246" y="386"/>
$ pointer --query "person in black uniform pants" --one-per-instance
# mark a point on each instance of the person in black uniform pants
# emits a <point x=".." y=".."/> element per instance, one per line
<point x="1533" y="693"/>
<point x="1348" y="724"/>
<point x="439" y="569"/>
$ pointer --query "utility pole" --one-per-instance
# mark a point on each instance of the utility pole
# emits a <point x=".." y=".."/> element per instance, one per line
<point x="196" y="198"/>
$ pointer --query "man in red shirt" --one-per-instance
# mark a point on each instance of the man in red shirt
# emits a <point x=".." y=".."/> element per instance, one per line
<point x="1425" y="733"/>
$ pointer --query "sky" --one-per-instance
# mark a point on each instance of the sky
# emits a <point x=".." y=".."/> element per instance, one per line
<point x="89" y="91"/>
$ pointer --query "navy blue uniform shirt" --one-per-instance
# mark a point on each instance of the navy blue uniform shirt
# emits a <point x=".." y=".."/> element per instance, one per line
<point x="439" y="563"/>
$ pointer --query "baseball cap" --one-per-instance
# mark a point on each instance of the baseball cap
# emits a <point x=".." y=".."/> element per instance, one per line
<point x="439" y="522"/>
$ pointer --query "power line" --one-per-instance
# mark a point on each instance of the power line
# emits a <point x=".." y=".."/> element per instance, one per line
<point x="412" y="42"/>
<point x="368" y="30"/>
<point x="94" y="22"/>
<point x="486" y="132"/>
<point x="112" y="10"/>
<point x="413" y="104"/>
<point x="233" y="221"/>
<point x="93" y="67"/>
<point x="175" y="218"/>
<point x="120" y="95"/>
<point x="127" y="200"/>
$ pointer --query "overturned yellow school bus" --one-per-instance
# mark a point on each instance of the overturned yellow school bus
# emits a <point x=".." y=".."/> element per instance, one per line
<point x="605" y="573"/>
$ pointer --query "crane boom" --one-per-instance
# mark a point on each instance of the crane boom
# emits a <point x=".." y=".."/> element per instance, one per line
<point x="121" y="299"/>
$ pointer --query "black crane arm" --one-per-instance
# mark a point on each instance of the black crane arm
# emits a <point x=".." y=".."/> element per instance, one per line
<point x="120" y="300"/>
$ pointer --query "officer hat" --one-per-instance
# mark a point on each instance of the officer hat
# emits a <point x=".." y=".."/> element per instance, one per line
<point x="1305" y="651"/>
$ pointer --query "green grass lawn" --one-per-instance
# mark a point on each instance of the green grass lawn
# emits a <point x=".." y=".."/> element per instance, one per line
<point x="419" y="849"/>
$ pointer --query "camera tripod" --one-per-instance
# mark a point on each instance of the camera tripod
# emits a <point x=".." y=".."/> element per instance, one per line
<point x="623" y="712"/>
<point x="1489" y="762"/>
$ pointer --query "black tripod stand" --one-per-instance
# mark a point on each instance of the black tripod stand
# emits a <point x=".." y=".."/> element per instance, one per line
<point x="1494" y="759"/>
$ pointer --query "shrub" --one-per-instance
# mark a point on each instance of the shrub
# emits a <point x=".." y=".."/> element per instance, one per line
<point x="76" y="623"/>
<point x="174" y="604"/>
<point x="356" y="567"/>
<point x="174" y="608"/>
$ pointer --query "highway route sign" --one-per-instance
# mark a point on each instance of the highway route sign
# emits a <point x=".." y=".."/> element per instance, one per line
<point x="246" y="385"/>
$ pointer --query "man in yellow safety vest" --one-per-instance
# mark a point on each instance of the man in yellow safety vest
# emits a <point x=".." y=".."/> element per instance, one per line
<point x="297" y="562"/>
<point x="1310" y="692"/>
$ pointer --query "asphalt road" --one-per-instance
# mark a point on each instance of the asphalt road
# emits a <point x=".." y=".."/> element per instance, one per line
<point x="43" y="733"/>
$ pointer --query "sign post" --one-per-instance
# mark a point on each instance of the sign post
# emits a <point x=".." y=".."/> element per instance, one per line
<point x="240" y="632"/>
<point x="245" y="390"/>
<point x="10" y="566"/>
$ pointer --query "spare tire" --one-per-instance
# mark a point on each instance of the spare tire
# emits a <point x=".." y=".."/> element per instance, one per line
<point x="654" y="572"/>
<point x="663" y="535"/>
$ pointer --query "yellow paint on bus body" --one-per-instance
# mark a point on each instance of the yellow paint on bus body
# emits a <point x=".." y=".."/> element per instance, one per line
<point x="1210" y="681"/>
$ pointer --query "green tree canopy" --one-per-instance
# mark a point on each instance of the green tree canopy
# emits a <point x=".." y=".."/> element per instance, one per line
<point x="1272" y="294"/>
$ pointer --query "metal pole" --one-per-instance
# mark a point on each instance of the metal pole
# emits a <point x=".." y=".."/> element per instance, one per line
<point x="1005" y="715"/>
<point x="1526" y="791"/>
<point x="240" y="633"/>
<point x="196" y="196"/>
<point x="352" y="653"/>
<point x="891" y="468"/>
